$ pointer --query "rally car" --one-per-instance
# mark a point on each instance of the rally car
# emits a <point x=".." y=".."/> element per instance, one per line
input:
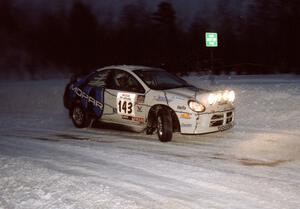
<point x="149" y="99"/>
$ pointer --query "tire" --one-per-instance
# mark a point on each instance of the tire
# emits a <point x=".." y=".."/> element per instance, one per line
<point x="79" y="116"/>
<point x="164" y="125"/>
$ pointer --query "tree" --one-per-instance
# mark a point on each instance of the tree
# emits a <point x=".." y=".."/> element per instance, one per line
<point x="134" y="34"/>
<point x="50" y="38"/>
<point x="8" y="21"/>
<point x="226" y="28"/>
<point x="83" y="32"/>
<point x="288" y="34"/>
<point x="165" y="17"/>
<point x="196" y="57"/>
<point x="12" y="37"/>
<point x="270" y="27"/>
<point x="167" y="43"/>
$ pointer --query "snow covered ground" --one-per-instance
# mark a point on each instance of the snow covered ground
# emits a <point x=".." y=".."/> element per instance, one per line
<point x="47" y="163"/>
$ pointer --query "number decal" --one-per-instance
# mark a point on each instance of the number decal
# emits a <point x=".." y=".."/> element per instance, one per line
<point x="125" y="104"/>
<point x="124" y="107"/>
<point x="129" y="107"/>
<point x="119" y="105"/>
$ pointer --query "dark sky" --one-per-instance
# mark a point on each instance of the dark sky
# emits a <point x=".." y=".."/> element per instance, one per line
<point x="186" y="9"/>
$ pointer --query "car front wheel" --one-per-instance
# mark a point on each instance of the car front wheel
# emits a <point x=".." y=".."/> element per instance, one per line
<point x="164" y="125"/>
<point x="79" y="117"/>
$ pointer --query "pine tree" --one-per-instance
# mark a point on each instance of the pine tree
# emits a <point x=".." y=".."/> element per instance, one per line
<point x="166" y="38"/>
<point x="83" y="26"/>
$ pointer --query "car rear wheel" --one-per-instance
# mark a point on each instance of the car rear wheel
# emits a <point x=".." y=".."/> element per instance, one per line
<point x="79" y="117"/>
<point x="164" y="125"/>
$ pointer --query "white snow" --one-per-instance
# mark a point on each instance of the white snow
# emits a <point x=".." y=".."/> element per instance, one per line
<point x="47" y="163"/>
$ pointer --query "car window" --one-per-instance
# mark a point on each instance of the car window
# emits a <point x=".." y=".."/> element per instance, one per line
<point x="123" y="81"/>
<point x="99" y="79"/>
<point x="160" y="80"/>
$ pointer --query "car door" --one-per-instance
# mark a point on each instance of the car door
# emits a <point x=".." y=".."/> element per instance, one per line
<point x="124" y="99"/>
<point x="93" y="98"/>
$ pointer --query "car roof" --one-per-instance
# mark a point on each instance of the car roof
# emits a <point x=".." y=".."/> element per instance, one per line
<point x="129" y="68"/>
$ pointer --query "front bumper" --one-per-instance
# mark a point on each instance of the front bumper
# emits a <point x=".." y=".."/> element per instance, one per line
<point x="206" y="122"/>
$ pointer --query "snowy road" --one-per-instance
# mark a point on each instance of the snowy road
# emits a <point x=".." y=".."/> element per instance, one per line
<point x="47" y="163"/>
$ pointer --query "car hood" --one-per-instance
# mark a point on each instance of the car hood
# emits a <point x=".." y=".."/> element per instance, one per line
<point x="178" y="98"/>
<point x="185" y="93"/>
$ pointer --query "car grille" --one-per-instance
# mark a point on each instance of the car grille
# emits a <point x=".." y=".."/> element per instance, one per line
<point x="221" y="119"/>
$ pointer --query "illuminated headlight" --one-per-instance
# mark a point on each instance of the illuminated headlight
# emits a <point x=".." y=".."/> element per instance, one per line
<point x="226" y="96"/>
<point x="219" y="97"/>
<point x="212" y="99"/>
<point x="231" y="96"/>
<point x="197" y="107"/>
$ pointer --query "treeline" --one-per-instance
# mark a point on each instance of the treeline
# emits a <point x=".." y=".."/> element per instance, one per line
<point x="262" y="39"/>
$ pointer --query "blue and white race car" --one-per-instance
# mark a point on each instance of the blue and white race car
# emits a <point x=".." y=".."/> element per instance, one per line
<point x="150" y="99"/>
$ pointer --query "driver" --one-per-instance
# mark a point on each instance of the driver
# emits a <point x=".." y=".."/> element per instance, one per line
<point x="121" y="80"/>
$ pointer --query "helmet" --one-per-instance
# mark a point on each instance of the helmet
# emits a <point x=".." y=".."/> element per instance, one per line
<point x="121" y="79"/>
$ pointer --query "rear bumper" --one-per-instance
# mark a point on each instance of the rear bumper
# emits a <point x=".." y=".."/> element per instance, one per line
<point x="207" y="122"/>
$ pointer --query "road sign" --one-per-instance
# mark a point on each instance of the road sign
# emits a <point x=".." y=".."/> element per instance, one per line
<point x="211" y="39"/>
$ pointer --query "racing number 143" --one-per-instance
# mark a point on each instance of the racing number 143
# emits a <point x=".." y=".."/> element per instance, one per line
<point x="126" y="107"/>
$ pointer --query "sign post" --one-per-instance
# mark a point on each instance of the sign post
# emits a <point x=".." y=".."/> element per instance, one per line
<point x="211" y="40"/>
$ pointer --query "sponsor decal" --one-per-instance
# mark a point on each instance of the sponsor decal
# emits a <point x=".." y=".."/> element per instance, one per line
<point x="140" y="99"/>
<point x="185" y="116"/>
<point x="126" y="117"/>
<point x="179" y="98"/>
<point x="160" y="98"/>
<point x="139" y="108"/>
<point x="184" y="125"/>
<point x="125" y="103"/>
<point x="125" y="96"/>
<point x="182" y="107"/>
<point x="137" y="119"/>
<point x="175" y="98"/>
<point x="91" y="98"/>
<point x="85" y="96"/>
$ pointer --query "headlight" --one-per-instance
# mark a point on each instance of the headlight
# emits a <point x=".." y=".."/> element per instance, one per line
<point x="197" y="107"/>
<point x="219" y="96"/>
<point x="231" y="96"/>
<point x="212" y="99"/>
<point x="226" y="96"/>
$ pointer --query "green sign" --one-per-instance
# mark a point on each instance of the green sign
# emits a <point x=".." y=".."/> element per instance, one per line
<point x="211" y="39"/>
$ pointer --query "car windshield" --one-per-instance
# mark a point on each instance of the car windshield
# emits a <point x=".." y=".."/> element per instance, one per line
<point x="160" y="79"/>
